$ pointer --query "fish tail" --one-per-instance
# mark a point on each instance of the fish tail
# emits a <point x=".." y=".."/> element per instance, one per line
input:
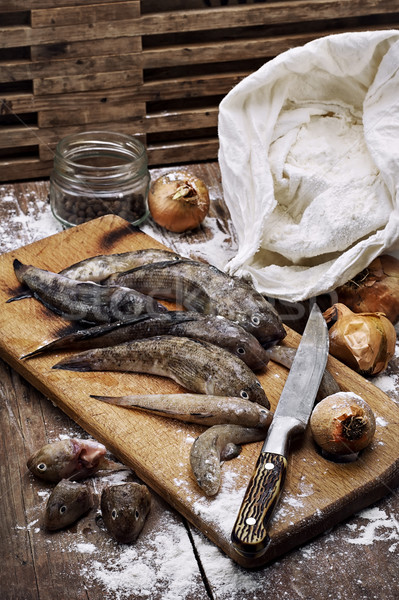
<point x="33" y="353"/>
<point x="74" y="364"/>
<point x="115" y="400"/>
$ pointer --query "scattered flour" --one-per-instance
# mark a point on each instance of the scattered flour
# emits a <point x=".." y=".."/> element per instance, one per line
<point x="34" y="224"/>
<point x="379" y="526"/>
<point x="217" y="250"/>
<point x="167" y="568"/>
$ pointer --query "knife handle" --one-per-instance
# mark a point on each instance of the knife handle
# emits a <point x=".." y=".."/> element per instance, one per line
<point x="249" y="535"/>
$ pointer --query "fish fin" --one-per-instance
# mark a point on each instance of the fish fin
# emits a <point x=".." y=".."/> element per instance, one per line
<point x="21" y="296"/>
<point x="106" y="464"/>
<point x="17" y="264"/>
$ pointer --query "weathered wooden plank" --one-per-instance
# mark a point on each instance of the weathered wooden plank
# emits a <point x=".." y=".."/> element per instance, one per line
<point x="17" y="5"/>
<point x="13" y="37"/>
<point x="21" y="136"/>
<point x="88" y="14"/>
<point x="99" y="112"/>
<point x="92" y="81"/>
<point x="26" y="103"/>
<point x="190" y="86"/>
<point x="82" y="48"/>
<point x="24" y="70"/>
<point x="239" y="49"/>
<point x="199" y="118"/>
<point x="291" y="11"/>
<point x="19" y="168"/>
<point x="183" y="151"/>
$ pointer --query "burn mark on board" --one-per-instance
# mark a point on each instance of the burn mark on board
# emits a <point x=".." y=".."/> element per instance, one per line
<point x="109" y="239"/>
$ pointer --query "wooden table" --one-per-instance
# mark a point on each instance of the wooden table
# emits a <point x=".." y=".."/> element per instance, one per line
<point x="357" y="560"/>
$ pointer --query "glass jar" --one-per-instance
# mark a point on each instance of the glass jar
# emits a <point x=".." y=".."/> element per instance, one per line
<point x="97" y="173"/>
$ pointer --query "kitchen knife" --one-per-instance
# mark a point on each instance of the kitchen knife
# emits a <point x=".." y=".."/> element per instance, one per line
<point x="249" y="536"/>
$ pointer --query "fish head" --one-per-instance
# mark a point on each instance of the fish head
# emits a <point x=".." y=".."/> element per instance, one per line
<point x="255" y="314"/>
<point x="68" y="501"/>
<point x="245" y="345"/>
<point x="252" y="390"/>
<point x="124" y="509"/>
<point x="66" y="458"/>
<point x="265" y="325"/>
<point x="54" y="461"/>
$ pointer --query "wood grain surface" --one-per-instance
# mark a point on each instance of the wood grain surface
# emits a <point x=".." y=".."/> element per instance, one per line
<point x="156" y="69"/>
<point x="158" y="449"/>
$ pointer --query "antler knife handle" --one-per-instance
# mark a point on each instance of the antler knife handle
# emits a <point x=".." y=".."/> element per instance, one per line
<point x="249" y="536"/>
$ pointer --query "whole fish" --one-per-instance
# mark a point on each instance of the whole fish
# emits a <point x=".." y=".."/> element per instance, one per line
<point x="202" y="409"/>
<point x="124" y="509"/>
<point x="216" y="444"/>
<point x="97" y="268"/>
<point x="209" y="328"/>
<point x="198" y="366"/>
<point x="86" y="301"/>
<point x="204" y="288"/>
<point x="68" y="501"/>
<point x="72" y="458"/>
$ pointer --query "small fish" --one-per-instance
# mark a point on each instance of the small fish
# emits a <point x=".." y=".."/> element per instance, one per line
<point x="97" y="268"/>
<point x="71" y="458"/>
<point x="84" y="301"/>
<point x="204" y="288"/>
<point x="202" y="409"/>
<point x="198" y="366"/>
<point x="68" y="501"/>
<point x="216" y="444"/>
<point x="284" y="355"/>
<point x="124" y="509"/>
<point x="209" y="328"/>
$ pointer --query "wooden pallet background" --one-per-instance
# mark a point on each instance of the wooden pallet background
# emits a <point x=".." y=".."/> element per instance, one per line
<point x="152" y="68"/>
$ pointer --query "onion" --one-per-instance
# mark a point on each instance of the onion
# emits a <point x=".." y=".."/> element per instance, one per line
<point x="375" y="289"/>
<point x="178" y="201"/>
<point x="365" y="342"/>
<point x="342" y="424"/>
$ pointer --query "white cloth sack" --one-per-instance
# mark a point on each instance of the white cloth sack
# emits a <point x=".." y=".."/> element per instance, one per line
<point x="309" y="157"/>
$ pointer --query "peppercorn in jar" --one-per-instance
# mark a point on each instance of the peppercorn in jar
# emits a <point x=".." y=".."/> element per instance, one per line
<point x="97" y="173"/>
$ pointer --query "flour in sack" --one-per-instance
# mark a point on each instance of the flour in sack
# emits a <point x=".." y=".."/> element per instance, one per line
<point x="307" y="174"/>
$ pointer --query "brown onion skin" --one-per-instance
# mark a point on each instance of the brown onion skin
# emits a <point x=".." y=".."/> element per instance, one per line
<point x="178" y="214"/>
<point x="342" y="424"/>
<point x="375" y="289"/>
<point x="365" y="342"/>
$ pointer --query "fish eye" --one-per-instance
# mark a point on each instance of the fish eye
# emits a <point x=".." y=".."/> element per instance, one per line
<point x="258" y="383"/>
<point x="241" y="350"/>
<point x="114" y="513"/>
<point x="244" y="394"/>
<point x="255" y="320"/>
<point x="63" y="509"/>
<point x="136" y="514"/>
<point x="42" y="467"/>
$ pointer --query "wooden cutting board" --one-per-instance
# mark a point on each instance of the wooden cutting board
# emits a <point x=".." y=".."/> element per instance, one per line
<point x="318" y="493"/>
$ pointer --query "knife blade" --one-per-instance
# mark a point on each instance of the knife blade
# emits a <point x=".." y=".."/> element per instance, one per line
<point x="249" y="536"/>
